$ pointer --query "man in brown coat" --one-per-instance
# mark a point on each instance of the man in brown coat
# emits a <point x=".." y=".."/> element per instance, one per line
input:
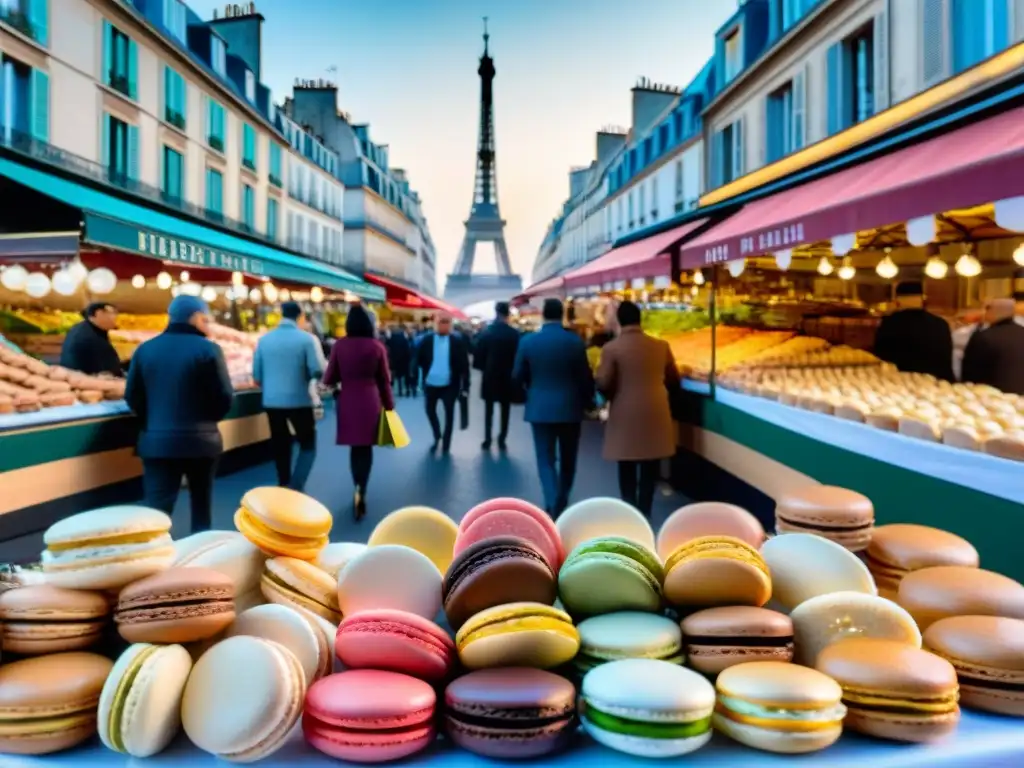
<point x="636" y="374"/>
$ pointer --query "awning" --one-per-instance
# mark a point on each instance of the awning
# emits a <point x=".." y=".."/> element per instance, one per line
<point x="403" y="297"/>
<point x="125" y="226"/>
<point x="551" y="287"/>
<point x="645" y="258"/>
<point x="978" y="164"/>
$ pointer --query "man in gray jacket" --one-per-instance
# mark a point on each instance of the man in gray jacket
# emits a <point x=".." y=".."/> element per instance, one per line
<point x="285" y="363"/>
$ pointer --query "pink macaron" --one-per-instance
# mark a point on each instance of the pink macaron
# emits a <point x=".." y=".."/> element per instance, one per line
<point x="369" y="716"/>
<point x="512" y="517"/>
<point x="397" y="641"/>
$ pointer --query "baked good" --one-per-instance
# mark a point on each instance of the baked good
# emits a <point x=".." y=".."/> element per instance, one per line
<point x="610" y="574"/>
<point x="229" y="553"/>
<point x="395" y="640"/>
<point x="934" y="593"/>
<point x="390" y="576"/>
<point x="178" y="605"/>
<point x="716" y="570"/>
<point x="897" y="549"/>
<point x="708" y="518"/>
<point x="336" y="555"/>
<point x="715" y="639"/>
<point x="424" y="529"/>
<point x="803" y="566"/>
<point x="602" y="517"/>
<point x="292" y="629"/>
<point x="627" y="635"/>
<point x="283" y="522"/>
<point x="518" y="635"/>
<point x="843" y="516"/>
<point x="512" y="517"/>
<point x="292" y="582"/>
<point x="41" y="618"/>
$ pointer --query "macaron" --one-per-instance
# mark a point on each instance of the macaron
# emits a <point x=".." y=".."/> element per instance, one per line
<point x="284" y="523"/>
<point x="228" y="552"/>
<point x="627" y="635"/>
<point x="715" y="639"/>
<point x="931" y="594"/>
<point x="716" y="570"/>
<point x="708" y="518"/>
<point x="290" y="629"/>
<point x="512" y="517"/>
<point x="424" y="529"/>
<point x="837" y="514"/>
<point x="369" y="716"/>
<point x="826" y="619"/>
<point x="398" y="641"/>
<point x="503" y="569"/>
<point x="390" y="576"/>
<point x="179" y="605"/>
<point x="601" y="517"/>
<point x="336" y="555"/>
<point x="510" y="713"/>
<point x="107" y="548"/>
<point x="803" y="566"/>
<point x="292" y="582"/>
<point x="139" y="711"/>
<point x="647" y="707"/>
<point x="779" y="707"/>
<point x="892" y="690"/>
<point x="48" y="703"/>
<point x="45" y="619"/>
<point x="610" y="574"/>
<point x="259" y="682"/>
<point x="517" y="635"/>
<point x="988" y="655"/>
<point x="896" y="550"/>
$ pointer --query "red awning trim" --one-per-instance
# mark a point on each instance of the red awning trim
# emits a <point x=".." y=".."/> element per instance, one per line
<point x="645" y="258"/>
<point x="979" y="164"/>
<point x="402" y="297"/>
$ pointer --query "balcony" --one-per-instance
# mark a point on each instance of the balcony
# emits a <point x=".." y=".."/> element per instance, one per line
<point x="215" y="142"/>
<point x="18" y="21"/>
<point x="275" y="180"/>
<point x="175" y="118"/>
<point x="120" y="83"/>
<point x="249" y="164"/>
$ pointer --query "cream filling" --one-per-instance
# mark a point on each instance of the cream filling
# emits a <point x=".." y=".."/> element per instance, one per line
<point x="831" y="713"/>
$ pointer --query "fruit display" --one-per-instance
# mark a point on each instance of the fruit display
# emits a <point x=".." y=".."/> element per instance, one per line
<point x="733" y="346"/>
<point x="28" y="385"/>
<point x="38" y="321"/>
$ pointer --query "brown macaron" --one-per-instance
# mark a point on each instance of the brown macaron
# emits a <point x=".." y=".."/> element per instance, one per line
<point x="896" y="550"/>
<point x="988" y="654"/>
<point x="45" y="619"/>
<point x="179" y="605"/>
<point x="843" y="516"/>
<point x="935" y="593"/>
<point x="718" y="638"/>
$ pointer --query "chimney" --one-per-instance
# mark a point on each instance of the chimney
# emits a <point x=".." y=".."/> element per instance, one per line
<point x="650" y="100"/>
<point x="608" y="143"/>
<point x="241" y="27"/>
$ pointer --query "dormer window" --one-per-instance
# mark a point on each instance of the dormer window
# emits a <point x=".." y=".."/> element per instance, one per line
<point x="175" y="19"/>
<point x="250" y="86"/>
<point x="733" y="54"/>
<point x="218" y="56"/>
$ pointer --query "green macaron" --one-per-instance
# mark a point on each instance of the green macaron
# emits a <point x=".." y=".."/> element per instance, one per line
<point x="627" y="635"/>
<point x="610" y="574"/>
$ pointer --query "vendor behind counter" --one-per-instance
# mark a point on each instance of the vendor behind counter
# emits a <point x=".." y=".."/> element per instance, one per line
<point x="87" y="347"/>
<point x="913" y="339"/>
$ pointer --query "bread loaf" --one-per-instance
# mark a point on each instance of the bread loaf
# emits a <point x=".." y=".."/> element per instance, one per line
<point x="1007" y="446"/>
<point x="89" y="396"/>
<point x="6" y="404"/>
<point x="57" y="399"/>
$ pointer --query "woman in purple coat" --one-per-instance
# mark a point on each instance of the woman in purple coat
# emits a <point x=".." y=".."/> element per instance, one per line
<point x="359" y="366"/>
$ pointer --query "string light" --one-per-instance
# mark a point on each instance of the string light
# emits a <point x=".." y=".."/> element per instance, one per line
<point x="847" y="271"/>
<point x="825" y="267"/>
<point x="968" y="266"/>
<point x="138" y="281"/>
<point x="698" y="277"/>
<point x="887" y="268"/>
<point x="936" y="268"/>
<point x="163" y="281"/>
<point x="1018" y="255"/>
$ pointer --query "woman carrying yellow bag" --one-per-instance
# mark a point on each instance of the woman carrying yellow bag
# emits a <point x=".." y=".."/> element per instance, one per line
<point x="391" y="432"/>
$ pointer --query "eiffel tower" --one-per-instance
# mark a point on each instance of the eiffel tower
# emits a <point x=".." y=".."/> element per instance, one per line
<point x="484" y="224"/>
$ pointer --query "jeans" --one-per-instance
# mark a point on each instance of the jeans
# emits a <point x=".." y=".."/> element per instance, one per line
<point x="361" y="462"/>
<point x="447" y="397"/>
<point x="505" y="407"/>
<point x="557" y="447"/>
<point x="637" y="481"/>
<point x="303" y="422"/>
<point x="161" y="480"/>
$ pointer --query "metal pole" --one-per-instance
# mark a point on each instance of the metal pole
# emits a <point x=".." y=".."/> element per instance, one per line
<point x="712" y="308"/>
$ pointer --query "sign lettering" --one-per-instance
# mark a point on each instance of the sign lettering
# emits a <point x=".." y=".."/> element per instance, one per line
<point x="185" y="252"/>
<point x="772" y="239"/>
<point x="717" y="254"/>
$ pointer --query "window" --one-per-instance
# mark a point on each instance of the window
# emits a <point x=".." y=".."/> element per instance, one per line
<point x="981" y="28"/>
<point x="619" y="218"/>
<point x="654" y="198"/>
<point x="176" y="19"/>
<point x="120" y="149"/>
<point x="272" y="217"/>
<point x="851" y="80"/>
<point x="791" y="12"/>
<point x="275" y="163"/>
<point x="214" y="191"/>
<point x="250" y="86"/>
<point x="175" y="98"/>
<point x="24" y="100"/>
<point x="215" y="125"/>
<point x="218" y="56"/>
<point x="248" y="206"/>
<point x="629" y="201"/>
<point x="679" y="179"/>
<point x="733" y="54"/>
<point x="120" y="61"/>
<point x="29" y="17"/>
<point x="643" y="203"/>
<point x="173" y="182"/>
<point x="248" y="146"/>
<point x="728" y="154"/>
<point x="785" y="119"/>
<point x="313" y="239"/>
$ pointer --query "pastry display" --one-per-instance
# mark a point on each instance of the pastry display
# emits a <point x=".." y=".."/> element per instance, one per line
<point x="716" y="570"/>
<point x="390" y="576"/>
<point x="708" y="518"/>
<point x="935" y="593"/>
<point x="178" y="605"/>
<point x="291" y="628"/>
<point x="792" y="556"/>
<point x="715" y="639"/>
<point x="427" y="530"/>
<point x="515" y="518"/>
<point x="280" y="521"/>
<point x="42" y="619"/>
<point x="398" y="641"/>
<point x="296" y="583"/>
<point x="601" y="517"/>
<point x="518" y="635"/>
<point x="897" y="549"/>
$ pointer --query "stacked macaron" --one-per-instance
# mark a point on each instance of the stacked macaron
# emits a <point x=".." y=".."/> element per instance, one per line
<point x="840" y="515"/>
<point x="898" y="549"/>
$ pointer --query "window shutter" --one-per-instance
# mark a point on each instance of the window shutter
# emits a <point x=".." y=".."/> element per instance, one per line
<point x="798" y="129"/>
<point x="108" y="52"/>
<point x="105" y="146"/>
<point x="881" y="63"/>
<point x="739" y="147"/>
<point x="6" y="104"/>
<point x="168" y="91"/>
<point x="40" y="105"/>
<point x="836" y="97"/>
<point x="133" y="152"/>
<point x="772" y="152"/>
<point x="182" y="95"/>
<point x="935" y="58"/>
<point x="133" y="69"/>
<point x="718" y="160"/>
<point x="38" y="17"/>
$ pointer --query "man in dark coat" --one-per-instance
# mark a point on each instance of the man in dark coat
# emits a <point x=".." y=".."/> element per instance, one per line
<point x="87" y="346"/>
<point x="995" y="355"/>
<point x="494" y="357"/>
<point x="178" y="386"/>
<point x="913" y="339"/>
<point x="399" y="358"/>
<point x="443" y="359"/>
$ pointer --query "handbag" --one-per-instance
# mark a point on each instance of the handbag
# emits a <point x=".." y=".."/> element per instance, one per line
<point x="391" y="432"/>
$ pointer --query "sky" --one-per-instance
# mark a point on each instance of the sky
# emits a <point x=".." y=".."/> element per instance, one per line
<point x="564" y="71"/>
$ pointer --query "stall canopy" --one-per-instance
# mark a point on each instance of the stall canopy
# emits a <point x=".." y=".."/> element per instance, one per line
<point x="979" y="164"/>
<point x="121" y="225"/>
<point x="553" y="286"/>
<point x="403" y="297"/>
<point x="647" y="258"/>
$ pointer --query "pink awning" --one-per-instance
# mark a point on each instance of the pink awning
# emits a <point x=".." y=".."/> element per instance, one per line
<point x="978" y="164"/>
<point x="550" y="287"/>
<point x="645" y="258"/>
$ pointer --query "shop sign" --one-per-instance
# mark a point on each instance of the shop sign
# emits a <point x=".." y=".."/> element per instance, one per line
<point x="195" y="254"/>
<point x="772" y="239"/>
<point x="717" y="254"/>
<point x="638" y="284"/>
<point x="662" y="281"/>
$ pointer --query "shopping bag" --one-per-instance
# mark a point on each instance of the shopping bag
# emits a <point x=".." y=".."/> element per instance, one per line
<point x="391" y="431"/>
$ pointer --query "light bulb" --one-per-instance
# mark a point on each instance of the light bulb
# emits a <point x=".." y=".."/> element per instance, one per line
<point x="208" y="294"/>
<point x="185" y="276"/>
<point x="968" y="266"/>
<point x="316" y="294"/>
<point x="78" y="269"/>
<point x="270" y="292"/>
<point x="847" y="271"/>
<point x="163" y="281"/>
<point x="936" y="268"/>
<point x="1018" y="255"/>
<point x="698" y="277"/>
<point x="284" y="294"/>
<point x="694" y="290"/>
<point x="138" y="282"/>
<point x="736" y="267"/>
<point x="887" y="268"/>
<point x="255" y="295"/>
<point x="825" y="267"/>
<point x="237" y="278"/>
<point x="191" y="289"/>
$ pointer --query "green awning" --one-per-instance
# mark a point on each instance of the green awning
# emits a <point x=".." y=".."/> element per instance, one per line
<point x="125" y="226"/>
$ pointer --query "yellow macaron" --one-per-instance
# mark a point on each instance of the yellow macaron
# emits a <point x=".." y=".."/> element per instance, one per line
<point x="716" y="570"/>
<point x="518" y="635"/>
<point x="428" y="531"/>
<point x="283" y="522"/>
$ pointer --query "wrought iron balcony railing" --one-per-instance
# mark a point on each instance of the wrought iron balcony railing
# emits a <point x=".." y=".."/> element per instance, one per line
<point x="19" y="21"/>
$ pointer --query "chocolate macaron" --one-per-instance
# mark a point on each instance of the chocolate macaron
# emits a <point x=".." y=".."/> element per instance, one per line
<point x="840" y="515"/>
<point x="496" y="571"/>
<point x="179" y="605"/>
<point x="898" y="549"/>
<point x="718" y="638"/>
<point x="514" y="712"/>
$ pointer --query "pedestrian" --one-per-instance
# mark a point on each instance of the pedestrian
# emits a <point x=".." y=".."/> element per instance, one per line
<point x="552" y="367"/>
<point x="285" y="362"/>
<point x="87" y="348"/>
<point x="914" y="339"/>
<point x="636" y="375"/>
<point x="411" y="373"/>
<point x="359" y="366"/>
<point x="179" y="388"/>
<point x="443" y="359"/>
<point x="494" y="357"/>
<point x="995" y="355"/>
<point x="399" y="357"/>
